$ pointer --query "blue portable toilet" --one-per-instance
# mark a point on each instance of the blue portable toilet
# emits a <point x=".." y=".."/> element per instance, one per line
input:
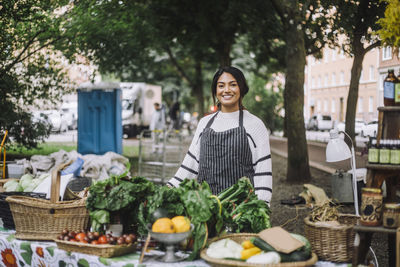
<point x="99" y="118"/>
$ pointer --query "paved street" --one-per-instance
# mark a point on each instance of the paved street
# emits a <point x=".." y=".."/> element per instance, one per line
<point x="316" y="154"/>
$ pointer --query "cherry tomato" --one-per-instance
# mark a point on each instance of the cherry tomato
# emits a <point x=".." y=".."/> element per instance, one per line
<point x="80" y="236"/>
<point x="103" y="239"/>
<point x="94" y="242"/>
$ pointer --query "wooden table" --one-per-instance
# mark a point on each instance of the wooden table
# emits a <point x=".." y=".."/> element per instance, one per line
<point x="363" y="242"/>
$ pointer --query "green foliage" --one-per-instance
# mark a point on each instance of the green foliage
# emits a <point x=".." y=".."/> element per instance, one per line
<point x="31" y="68"/>
<point x="390" y="24"/>
<point x="118" y="195"/>
<point x="265" y="103"/>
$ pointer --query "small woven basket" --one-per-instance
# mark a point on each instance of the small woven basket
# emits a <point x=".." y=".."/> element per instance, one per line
<point x="332" y="243"/>
<point x="40" y="219"/>
<point x="239" y="238"/>
<point x="106" y="250"/>
<point x="5" y="212"/>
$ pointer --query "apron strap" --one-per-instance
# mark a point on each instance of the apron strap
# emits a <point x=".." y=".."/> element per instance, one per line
<point x="211" y="121"/>
<point x="241" y="118"/>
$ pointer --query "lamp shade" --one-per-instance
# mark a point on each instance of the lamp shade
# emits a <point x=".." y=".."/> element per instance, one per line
<point x="337" y="149"/>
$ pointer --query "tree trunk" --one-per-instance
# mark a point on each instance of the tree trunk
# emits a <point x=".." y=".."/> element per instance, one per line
<point x="352" y="98"/>
<point x="224" y="57"/>
<point x="197" y="89"/>
<point x="297" y="168"/>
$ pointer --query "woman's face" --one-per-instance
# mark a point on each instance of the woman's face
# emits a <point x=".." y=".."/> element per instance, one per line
<point x="228" y="92"/>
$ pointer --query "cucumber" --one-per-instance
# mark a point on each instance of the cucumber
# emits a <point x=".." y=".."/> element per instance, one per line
<point x="258" y="242"/>
<point x="301" y="254"/>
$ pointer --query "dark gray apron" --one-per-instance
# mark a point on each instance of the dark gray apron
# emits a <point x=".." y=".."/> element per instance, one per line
<point x="224" y="156"/>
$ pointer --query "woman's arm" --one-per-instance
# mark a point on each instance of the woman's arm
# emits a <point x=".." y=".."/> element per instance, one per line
<point x="190" y="164"/>
<point x="261" y="161"/>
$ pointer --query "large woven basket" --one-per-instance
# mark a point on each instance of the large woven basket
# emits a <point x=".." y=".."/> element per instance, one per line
<point x="40" y="219"/>
<point x="106" y="250"/>
<point x="239" y="238"/>
<point x="332" y="243"/>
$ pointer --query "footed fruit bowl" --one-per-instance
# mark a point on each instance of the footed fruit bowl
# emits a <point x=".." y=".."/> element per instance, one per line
<point x="170" y="240"/>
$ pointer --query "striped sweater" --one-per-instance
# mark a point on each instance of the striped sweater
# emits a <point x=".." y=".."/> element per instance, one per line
<point x="259" y="144"/>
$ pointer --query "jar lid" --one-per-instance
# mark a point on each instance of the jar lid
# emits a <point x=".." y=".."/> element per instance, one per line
<point x="371" y="190"/>
<point x="394" y="206"/>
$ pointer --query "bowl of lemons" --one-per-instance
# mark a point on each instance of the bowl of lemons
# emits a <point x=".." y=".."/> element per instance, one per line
<point x="171" y="232"/>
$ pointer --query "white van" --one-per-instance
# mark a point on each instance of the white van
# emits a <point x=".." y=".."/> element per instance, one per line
<point x="320" y="123"/>
<point x="138" y="106"/>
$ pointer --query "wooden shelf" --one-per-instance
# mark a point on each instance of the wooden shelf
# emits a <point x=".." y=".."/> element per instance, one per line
<point x="388" y="109"/>
<point x="374" y="229"/>
<point x="383" y="167"/>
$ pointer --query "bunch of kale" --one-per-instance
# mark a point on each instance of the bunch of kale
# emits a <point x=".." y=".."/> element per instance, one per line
<point x="116" y="195"/>
<point x="243" y="211"/>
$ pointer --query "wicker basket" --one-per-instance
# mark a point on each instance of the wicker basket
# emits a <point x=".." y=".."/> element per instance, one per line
<point x="106" y="250"/>
<point x="239" y="238"/>
<point x="332" y="243"/>
<point x="5" y="212"/>
<point x="40" y="219"/>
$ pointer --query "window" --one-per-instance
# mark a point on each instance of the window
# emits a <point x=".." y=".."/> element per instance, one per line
<point x="333" y="54"/>
<point x="371" y="73"/>
<point x="333" y="78"/>
<point x="319" y="81"/>
<point x="326" y="80"/>
<point x="361" y="75"/>
<point x="312" y="82"/>
<point x="318" y="105"/>
<point x="333" y="108"/>
<point x="381" y="79"/>
<point x="341" y="77"/>
<point x="325" y="105"/>
<point x="371" y="104"/>
<point x="341" y="53"/>
<point x="360" y="104"/>
<point x="326" y="56"/>
<point x="386" y="53"/>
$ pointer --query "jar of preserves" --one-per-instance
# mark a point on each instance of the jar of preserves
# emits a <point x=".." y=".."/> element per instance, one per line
<point x="391" y="215"/>
<point x="371" y="206"/>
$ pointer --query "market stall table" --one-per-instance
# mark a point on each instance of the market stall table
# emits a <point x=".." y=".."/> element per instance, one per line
<point x="16" y="252"/>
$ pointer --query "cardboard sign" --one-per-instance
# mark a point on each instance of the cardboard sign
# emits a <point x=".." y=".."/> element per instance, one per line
<point x="280" y="239"/>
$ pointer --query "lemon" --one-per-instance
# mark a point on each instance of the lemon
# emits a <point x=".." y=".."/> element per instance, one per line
<point x="163" y="225"/>
<point x="181" y="223"/>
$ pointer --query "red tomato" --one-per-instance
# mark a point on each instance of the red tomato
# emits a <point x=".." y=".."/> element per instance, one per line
<point x="103" y="239"/>
<point x="80" y="237"/>
<point x="94" y="242"/>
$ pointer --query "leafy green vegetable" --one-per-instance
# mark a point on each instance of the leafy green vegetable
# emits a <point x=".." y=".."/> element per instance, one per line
<point x="117" y="195"/>
<point x="242" y="210"/>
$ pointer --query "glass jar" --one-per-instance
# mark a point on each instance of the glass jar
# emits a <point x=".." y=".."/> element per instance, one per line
<point x="391" y="215"/>
<point x="371" y="206"/>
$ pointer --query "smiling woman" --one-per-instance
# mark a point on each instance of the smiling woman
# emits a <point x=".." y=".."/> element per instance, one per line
<point x="230" y="143"/>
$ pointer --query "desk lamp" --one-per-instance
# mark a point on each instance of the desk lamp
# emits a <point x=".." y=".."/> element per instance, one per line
<point x="338" y="150"/>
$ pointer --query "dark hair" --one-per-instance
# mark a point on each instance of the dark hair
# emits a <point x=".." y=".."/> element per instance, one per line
<point x="240" y="79"/>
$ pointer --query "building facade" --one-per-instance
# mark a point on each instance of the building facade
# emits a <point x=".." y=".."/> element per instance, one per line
<point x="327" y="82"/>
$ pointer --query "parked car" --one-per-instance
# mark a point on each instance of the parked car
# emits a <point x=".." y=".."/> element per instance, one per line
<point x="341" y="126"/>
<point x="57" y="122"/>
<point x="370" y="129"/>
<point x="70" y="114"/>
<point x="320" y="123"/>
<point x="358" y="125"/>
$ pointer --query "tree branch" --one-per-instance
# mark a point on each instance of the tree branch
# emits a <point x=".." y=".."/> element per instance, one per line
<point x="180" y="70"/>
<point x="372" y="46"/>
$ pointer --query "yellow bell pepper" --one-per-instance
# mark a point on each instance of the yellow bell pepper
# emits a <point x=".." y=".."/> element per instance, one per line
<point x="247" y="253"/>
<point x="247" y="244"/>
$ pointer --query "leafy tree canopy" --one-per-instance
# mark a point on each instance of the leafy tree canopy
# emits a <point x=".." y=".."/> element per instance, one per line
<point x="390" y="24"/>
<point x="31" y="64"/>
